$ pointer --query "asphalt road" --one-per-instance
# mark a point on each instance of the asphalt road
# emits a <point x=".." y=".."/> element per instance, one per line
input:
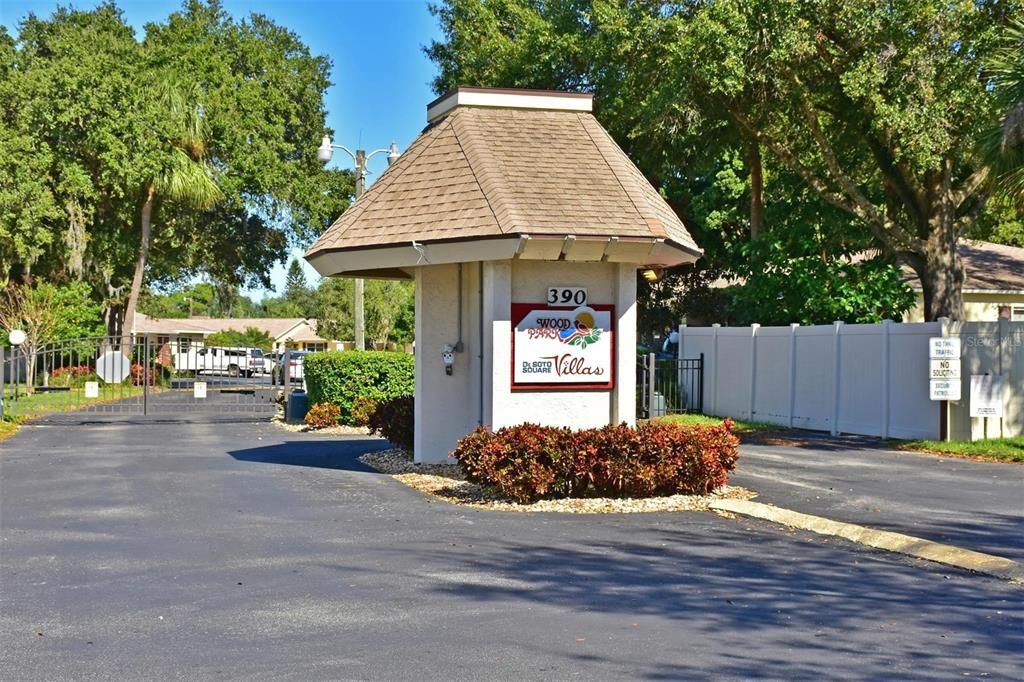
<point x="239" y="551"/>
<point x="972" y="504"/>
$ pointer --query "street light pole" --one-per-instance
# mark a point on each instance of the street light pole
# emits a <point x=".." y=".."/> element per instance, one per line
<point x="359" y="157"/>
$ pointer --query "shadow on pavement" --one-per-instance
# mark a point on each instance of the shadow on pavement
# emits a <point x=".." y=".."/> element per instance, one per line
<point x="792" y="618"/>
<point x="322" y="453"/>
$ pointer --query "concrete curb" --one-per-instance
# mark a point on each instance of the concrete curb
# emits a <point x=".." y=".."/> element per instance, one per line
<point x="894" y="542"/>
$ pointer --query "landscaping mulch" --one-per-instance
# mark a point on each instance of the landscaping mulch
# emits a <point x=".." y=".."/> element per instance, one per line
<point x="447" y="482"/>
<point x="339" y="430"/>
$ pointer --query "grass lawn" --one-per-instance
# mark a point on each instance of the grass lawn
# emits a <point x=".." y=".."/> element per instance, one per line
<point x="7" y="429"/>
<point x="63" y="401"/>
<point x="996" y="449"/>
<point x="704" y="420"/>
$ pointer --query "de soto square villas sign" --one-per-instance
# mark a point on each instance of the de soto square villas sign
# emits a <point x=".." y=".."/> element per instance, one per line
<point x="563" y="346"/>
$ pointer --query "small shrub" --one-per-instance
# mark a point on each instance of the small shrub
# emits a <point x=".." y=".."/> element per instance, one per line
<point x="323" y="415"/>
<point x="72" y="375"/>
<point x="342" y="376"/>
<point x="528" y="462"/>
<point x="138" y="375"/>
<point x="362" y="411"/>
<point x="393" y="419"/>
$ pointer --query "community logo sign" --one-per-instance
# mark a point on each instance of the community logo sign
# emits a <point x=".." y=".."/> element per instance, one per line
<point x="562" y="347"/>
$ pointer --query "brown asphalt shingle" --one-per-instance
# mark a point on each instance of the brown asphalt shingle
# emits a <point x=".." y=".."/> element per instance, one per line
<point x="987" y="266"/>
<point x="484" y="172"/>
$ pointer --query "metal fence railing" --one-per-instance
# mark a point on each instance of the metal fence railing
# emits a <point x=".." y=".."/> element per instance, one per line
<point x="669" y="385"/>
<point x="101" y="375"/>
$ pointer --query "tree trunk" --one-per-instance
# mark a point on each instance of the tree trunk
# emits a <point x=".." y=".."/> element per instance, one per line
<point x="128" y="321"/>
<point x="756" y="188"/>
<point x="941" y="271"/>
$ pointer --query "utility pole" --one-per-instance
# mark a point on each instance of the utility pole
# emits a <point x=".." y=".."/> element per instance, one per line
<point x="359" y="157"/>
<point x="359" y="286"/>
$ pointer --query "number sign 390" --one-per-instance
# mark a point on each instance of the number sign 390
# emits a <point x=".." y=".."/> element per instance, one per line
<point x="567" y="296"/>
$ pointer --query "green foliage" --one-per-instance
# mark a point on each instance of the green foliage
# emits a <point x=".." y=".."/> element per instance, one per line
<point x="1003" y="145"/>
<point x="871" y="109"/>
<point x="816" y="290"/>
<point x="251" y="337"/>
<point x="217" y="299"/>
<point x="342" y="376"/>
<point x="92" y="119"/>
<point x="530" y="462"/>
<point x="388" y="309"/>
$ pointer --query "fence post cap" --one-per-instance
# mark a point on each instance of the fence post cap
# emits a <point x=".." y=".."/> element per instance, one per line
<point x="716" y="324"/>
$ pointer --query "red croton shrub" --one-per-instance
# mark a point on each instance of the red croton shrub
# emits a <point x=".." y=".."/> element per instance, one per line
<point x="529" y="462"/>
<point x="393" y="419"/>
<point x="139" y="375"/>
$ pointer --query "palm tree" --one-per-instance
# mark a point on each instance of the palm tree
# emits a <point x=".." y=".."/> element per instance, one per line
<point x="1004" y="145"/>
<point x="184" y="177"/>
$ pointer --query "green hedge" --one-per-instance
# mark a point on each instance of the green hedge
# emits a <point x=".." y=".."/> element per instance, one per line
<point x="340" y="377"/>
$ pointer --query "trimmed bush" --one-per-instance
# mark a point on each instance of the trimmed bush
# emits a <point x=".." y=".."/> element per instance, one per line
<point x="393" y="419"/>
<point x="362" y="411"/>
<point x="530" y="462"/>
<point x="340" y="377"/>
<point x="323" y="415"/>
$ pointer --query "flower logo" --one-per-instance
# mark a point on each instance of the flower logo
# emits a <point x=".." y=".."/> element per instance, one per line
<point x="582" y="333"/>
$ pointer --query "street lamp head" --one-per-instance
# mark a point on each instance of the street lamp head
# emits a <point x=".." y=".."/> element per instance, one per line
<point x="324" y="151"/>
<point x="16" y="337"/>
<point x="393" y="153"/>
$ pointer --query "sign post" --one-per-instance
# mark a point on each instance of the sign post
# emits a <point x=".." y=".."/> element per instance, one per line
<point x="944" y="375"/>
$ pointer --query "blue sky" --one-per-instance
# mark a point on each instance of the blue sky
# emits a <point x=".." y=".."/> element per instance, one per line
<point x="381" y="76"/>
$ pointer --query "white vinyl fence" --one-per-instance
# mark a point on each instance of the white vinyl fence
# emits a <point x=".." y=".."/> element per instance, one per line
<point x="990" y="348"/>
<point x="869" y="379"/>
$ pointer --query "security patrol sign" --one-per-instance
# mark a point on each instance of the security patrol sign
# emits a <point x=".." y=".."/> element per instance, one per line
<point x="944" y="368"/>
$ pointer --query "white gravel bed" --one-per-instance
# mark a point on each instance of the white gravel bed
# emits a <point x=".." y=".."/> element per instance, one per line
<point x="447" y="482"/>
<point x="339" y="430"/>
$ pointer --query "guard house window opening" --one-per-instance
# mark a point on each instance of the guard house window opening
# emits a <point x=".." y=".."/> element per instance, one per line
<point x="1017" y="313"/>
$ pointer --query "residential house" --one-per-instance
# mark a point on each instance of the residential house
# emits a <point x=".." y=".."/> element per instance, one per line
<point x="178" y="335"/>
<point x="993" y="285"/>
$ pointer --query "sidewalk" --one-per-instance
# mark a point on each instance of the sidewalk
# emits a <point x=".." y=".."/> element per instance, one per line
<point x="970" y="504"/>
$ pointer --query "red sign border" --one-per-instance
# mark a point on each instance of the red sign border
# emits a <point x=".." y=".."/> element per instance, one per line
<point x="521" y="310"/>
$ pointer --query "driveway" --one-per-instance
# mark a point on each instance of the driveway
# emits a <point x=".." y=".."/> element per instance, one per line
<point x="237" y="551"/>
<point x="972" y="504"/>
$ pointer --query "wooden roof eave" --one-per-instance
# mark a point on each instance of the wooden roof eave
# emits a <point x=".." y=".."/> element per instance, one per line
<point x="396" y="261"/>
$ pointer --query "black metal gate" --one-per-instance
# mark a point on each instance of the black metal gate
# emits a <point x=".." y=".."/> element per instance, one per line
<point x="669" y="385"/>
<point x="171" y="378"/>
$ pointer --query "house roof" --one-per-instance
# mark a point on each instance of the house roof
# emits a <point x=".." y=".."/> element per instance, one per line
<point x="483" y="171"/>
<point x="988" y="268"/>
<point x="275" y="327"/>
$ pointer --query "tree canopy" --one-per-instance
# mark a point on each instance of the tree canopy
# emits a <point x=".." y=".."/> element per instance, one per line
<point x="868" y="114"/>
<point x="204" y="128"/>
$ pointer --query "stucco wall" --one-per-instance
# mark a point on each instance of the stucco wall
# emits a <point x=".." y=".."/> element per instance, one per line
<point x="580" y="409"/>
<point x="448" y="407"/>
<point x="977" y="307"/>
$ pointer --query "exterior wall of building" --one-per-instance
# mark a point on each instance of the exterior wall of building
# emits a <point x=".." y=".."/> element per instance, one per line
<point x="447" y="406"/>
<point x="978" y="307"/>
<point x="479" y="389"/>
<point x="579" y="409"/>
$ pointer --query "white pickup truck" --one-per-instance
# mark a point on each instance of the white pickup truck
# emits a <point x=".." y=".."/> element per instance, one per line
<point x="219" y="360"/>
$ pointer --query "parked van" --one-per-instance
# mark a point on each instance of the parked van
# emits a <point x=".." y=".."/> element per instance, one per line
<point x="219" y="360"/>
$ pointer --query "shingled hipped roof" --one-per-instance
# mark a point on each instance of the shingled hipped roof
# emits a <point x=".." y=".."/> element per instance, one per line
<point x="485" y="172"/>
